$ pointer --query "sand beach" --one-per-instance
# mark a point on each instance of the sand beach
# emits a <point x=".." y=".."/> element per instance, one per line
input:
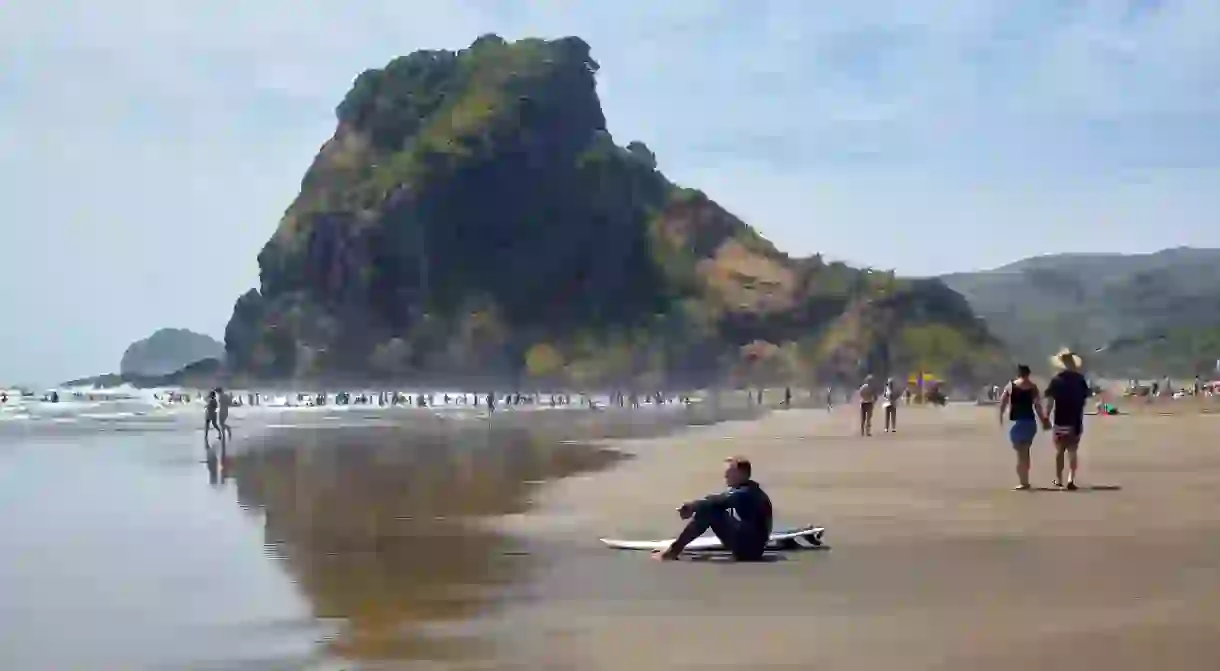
<point x="933" y="562"/>
<point x="341" y="539"/>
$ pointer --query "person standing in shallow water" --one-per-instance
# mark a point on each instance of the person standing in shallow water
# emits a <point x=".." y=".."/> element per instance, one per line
<point x="209" y="420"/>
<point x="1020" y="398"/>
<point x="1067" y="394"/>
<point x="223" y="401"/>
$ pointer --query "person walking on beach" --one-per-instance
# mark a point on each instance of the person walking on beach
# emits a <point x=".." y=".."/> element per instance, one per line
<point x="209" y="420"/>
<point x="1067" y="394"/>
<point x="889" y="405"/>
<point x="1020" y="398"/>
<point x="224" y="400"/>
<point x="868" y="397"/>
<point x="744" y="533"/>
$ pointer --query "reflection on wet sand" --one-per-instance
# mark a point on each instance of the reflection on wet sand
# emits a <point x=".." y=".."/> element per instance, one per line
<point x="375" y="525"/>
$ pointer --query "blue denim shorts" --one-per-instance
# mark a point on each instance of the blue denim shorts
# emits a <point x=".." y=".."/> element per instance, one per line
<point x="1023" y="431"/>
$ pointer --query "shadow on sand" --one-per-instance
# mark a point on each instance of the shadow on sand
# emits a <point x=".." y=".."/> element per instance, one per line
<point x="768" y="558"/>
<point x="1081" y="488"/>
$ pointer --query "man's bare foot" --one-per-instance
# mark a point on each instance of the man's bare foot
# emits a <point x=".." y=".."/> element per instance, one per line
<point x="1020" y="488"/>
<point x="664" y="555"/>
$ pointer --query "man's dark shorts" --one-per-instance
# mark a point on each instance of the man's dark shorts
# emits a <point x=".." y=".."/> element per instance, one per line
<point x="1067" y="437"/>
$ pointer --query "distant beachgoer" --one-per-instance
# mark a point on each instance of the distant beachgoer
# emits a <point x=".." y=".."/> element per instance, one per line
<point x="868" y="397"/>
<point x="744" y="532"/>
<point x="787" y="397"/>
<point x="1020" y="398"/>
<point x="830" y="399"/>
<point x="1068" y="392"/>
<point x="224" y="400"/>
<point x="209" y="419"/>
<point x="889" y="398"/>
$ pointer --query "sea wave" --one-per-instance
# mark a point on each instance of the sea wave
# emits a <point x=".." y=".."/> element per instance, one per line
<point x="171" y="405"/>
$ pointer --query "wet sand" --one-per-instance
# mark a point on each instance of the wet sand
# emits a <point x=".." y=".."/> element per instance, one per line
<point x="934" y="562"/>
<point x="344" y="540"/>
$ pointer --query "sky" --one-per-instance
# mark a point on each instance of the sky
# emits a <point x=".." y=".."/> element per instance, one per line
<point x="148" y="148"/>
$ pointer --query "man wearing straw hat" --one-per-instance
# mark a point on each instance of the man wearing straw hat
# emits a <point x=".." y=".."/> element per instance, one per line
<point x="1067" y="394"/>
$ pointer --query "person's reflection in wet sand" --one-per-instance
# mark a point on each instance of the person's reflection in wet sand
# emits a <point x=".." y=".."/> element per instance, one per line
<point x="213" y="469"/>
<point x="220" y="467"/>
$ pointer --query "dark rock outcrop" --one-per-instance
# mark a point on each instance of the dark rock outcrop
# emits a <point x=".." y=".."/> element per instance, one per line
<point x="472" y="213"/>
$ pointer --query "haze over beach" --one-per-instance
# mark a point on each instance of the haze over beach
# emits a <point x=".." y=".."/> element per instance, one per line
<point x="346" y="337"/>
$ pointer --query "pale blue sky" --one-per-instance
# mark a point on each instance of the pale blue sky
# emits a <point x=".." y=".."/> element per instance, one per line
<point x="148" y="148"/>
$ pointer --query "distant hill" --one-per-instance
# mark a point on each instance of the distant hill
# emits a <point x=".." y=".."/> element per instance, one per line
<point x="166" y="351"/>
<point x="1154" y="314"/>
<point x="473" y="219"/>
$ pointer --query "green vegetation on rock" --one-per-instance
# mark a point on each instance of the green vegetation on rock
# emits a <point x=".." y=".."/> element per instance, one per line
<point x="472" y="218"/>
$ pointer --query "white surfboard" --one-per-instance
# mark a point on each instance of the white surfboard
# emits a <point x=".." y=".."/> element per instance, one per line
<point x="788" y="539"/>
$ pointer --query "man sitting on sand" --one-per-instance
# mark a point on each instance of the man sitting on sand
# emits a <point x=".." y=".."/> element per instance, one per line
<point x="744" y="532"/>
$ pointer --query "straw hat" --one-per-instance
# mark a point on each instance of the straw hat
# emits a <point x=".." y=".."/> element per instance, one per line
<point x="1063" y="353"/>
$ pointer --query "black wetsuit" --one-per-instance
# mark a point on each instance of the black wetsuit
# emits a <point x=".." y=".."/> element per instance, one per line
<point x="744" y="534"/>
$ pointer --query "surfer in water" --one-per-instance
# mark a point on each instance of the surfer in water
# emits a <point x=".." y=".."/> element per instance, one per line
<point x="1067" y="393"/>
<point x="744" y="532"/>
<point x="1020" y="398"/>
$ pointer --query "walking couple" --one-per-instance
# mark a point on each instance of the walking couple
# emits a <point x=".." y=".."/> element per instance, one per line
<point x="1066" y="396"/>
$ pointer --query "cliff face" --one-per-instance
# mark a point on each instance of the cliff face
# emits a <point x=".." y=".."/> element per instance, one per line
<point x="472" y="216"/>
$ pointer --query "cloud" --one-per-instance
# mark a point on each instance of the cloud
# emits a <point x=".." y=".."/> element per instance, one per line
<point x="148" y="148"/>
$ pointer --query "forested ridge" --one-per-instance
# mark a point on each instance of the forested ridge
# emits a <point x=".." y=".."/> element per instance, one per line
<point x="1150" y="314"/>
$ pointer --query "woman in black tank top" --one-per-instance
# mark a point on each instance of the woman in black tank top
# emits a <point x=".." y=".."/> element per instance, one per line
<point x="1022" y="402"/>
